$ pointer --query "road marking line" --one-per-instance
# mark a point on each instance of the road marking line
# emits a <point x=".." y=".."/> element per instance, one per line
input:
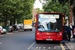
<point x="31" y="45"/>
<point x="54" y="47"/>
<point x="0" y="43"/>
<point x="44" y="47"/>
<point x="39" y="47"/>
<point x="48" y="47"/>
<point x="36" y="47"/>
<point x="62" y="46"/>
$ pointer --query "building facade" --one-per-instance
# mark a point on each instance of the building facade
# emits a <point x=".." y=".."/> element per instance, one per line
<point x="34" y="14"/>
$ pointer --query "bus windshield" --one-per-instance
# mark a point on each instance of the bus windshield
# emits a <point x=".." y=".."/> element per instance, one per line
<point x="49" y="23"/>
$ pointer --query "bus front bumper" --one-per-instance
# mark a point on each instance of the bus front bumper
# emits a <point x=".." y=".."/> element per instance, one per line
<point x="49" y="38"/>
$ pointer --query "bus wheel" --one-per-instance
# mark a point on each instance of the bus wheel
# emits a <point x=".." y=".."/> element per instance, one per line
<point x="30" y="29"/>
<point x="24" y="30"/>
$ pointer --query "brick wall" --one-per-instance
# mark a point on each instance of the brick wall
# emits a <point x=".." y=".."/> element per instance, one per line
<point x="34" y="14"/>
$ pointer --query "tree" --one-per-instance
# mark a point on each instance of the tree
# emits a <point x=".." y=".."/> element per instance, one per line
<point x="15" y="9"/>
<point x="65" y="1"/>
<point x="39" y="11"/>
<point x="71" y="2"/>
<point x="56" y="7"/>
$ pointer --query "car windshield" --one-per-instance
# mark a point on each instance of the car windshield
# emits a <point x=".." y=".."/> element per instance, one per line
<point x="49" y="22"/>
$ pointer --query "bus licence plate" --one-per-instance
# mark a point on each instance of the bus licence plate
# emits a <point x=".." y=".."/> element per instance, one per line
<point x="49" y="39"/>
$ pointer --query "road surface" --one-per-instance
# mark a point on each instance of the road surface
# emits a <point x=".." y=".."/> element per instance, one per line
<point x="25" y="40"/>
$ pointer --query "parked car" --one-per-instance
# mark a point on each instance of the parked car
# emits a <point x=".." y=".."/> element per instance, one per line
<point x="2" y="30"/>
<point x="8" y="28"/>
<point x="18" y="27"/>
<point x="15" y="28"/>
<point x="11" y="28"/>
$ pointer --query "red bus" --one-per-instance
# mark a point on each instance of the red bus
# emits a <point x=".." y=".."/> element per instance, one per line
<point x="49" y="26"/>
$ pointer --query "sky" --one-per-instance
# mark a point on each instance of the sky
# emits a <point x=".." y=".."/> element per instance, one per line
<point x="37" y="4"/>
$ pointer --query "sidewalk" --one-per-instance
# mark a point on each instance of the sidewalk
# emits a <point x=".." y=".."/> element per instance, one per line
<point x="71" y="44"/>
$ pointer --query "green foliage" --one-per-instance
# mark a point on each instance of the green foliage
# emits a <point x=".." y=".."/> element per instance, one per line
<point x="65" y="1"/>
<point x="73" y="11"/>
<point x="16" y="8"/>
<point x="56" y="7"/>
<point x="39" y="11"/>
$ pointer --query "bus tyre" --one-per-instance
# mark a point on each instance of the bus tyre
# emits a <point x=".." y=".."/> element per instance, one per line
<point x="30" y="29"/>
<point x="24" y="30"/>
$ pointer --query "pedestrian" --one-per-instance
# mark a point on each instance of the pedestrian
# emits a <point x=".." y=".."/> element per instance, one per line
<point x="73" y="27"/>
<point x="68" y="29"/>
<point x="64" y="34"/>
<point x="71" y="30"/>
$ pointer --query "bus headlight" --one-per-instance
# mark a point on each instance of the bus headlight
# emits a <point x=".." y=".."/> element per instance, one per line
<point x="60" y="33"/>
<point x="38" y="33"/>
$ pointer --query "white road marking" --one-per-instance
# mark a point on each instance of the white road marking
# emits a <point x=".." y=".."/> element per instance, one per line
<point x="44" y="47"/>
<point x="62" y="46"/>
<point x="36" y="47"/>
<point x="54" y="47"/>
<point x="31" y="45"/>
<point x="39" y="47"/>
<point x="48" y="47"/>
<point x="0" y="43"/>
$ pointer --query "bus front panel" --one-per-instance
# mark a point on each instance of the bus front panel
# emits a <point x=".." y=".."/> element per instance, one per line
<point x="49" y="27"/>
